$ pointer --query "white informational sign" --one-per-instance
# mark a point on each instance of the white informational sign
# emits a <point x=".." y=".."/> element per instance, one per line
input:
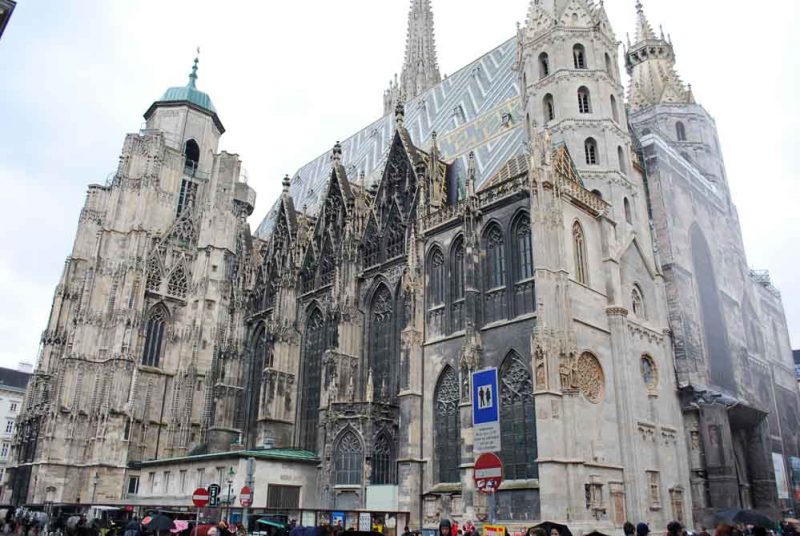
<point x="364" y="521"/>
<point x="780" y="475"/>
<point x="485" y="411"/>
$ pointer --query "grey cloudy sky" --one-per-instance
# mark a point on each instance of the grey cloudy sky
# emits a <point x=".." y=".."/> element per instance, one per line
<point x="290" y="78"/>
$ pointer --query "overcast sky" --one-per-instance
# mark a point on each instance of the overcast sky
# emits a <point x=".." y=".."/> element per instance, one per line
<point x="290" y="78"/>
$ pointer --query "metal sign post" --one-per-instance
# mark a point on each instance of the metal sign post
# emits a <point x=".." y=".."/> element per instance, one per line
<point x="486" y="411"/>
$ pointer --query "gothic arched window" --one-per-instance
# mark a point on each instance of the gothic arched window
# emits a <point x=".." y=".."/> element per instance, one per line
<point x="713" y="322"/>
<point x="457" y="284"/>
<point x="309" y="271"/>
<point x="549" y="107"/>
<point x="614" y="110"/>
<point x="313" y="350"/>
<point x="544" y="65"/>
<point x="271" y="290"/>
<point x="494" y="274"/>
<point x="155" y="336"/>
<point x="627" y="207"/>
<point x="260" y="348"/>
<point x="609" y="67"/>
<point x="579" y="247"/>
<point x="680" y="131"/>
<point x="623" y="168"/>
<point x="523" y="265"/>
<point x="447" y="427"/>
<point x="584" y="100"/>
<point x="384" y="461"/>
<point x="382" y="328"/>
<point x="191" y="152"/>
<point x="579" y="56"/>
<point x="178" y="284"/>
<point x="348" y="460"/>
<point x="517" y="419"/>
<point x="590" y="148"/>
<point x="436" y="277"/>
<point x="637" y="302"/>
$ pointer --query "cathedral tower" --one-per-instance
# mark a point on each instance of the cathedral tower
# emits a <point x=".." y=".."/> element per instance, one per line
<point x="420" y="68"/>
<point x="141" y="327"/>
<point x="739" y="404"/>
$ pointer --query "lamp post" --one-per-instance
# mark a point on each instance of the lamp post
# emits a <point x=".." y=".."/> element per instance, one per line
<point x="95" y="480"/>
<point x="231" y="474"/>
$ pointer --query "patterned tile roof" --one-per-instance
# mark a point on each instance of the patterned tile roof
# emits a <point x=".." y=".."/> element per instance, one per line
<point x="475" y="109"/>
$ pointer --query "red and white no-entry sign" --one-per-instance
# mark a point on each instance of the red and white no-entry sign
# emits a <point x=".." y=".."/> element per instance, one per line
<point x="200" y="497"/>
<point x="488" y="472"/>
<point x="246" y="496"/>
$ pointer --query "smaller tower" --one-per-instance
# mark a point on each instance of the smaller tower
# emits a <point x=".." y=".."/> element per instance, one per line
<point x="660" y="102"/>
<point x="420" y="68"/>
<point x="189" y="121"/>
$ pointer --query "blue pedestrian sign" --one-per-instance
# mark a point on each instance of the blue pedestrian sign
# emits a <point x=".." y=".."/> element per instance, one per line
<point x="486" y="411"/>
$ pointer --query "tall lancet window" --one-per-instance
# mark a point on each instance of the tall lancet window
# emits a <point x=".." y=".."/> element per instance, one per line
<point x="436" y="291"/>
<point x="381" y="337"/>
<point x="313" y="350"/>
<point x="590" y="148"/>
<point x="517" y="419"/>
<point x="579" y="56"/>
<point x="155" y="336"/>
<point x="348" y="460"/>
<point x="384" y="460"/>
<point x="447" y="427"/>
<point x="523" y="262"/>
<point x="579" y="247"/>
<point x="680" y="131"/>
<point x="457" y="284"/>
<point x="494" y="274"/>
<point x="544" y="65"/>
<point x="584" y="100"/>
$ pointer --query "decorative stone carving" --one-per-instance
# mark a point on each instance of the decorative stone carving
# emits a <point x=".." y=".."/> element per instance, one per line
<point x="590" y="378"/>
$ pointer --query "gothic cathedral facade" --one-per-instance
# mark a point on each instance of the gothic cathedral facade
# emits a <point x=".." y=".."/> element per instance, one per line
<point x="520" y="214"/>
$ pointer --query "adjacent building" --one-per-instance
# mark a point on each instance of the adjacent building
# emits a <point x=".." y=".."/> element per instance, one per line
<point x="12" y="395"/>
<point x="518" y="215"/>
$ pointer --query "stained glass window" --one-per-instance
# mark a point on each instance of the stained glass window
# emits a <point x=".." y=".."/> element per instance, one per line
<point x="313" y="348"/>
<point x="395" y="237"/>
<point x="522" y="236"/>
<point x="637" y="302"/>
<point x="457" y="282"/>
<point x="381" y="335"/>
<point x="517" y="419"/>
<point x="436" y="277"/>
<point x="178" y="284"/>
<point x="384" y="463"/>
<point x="155" y="336"/>
<point x="326" y="265"/>
<point x="348" y="460"/>
<point x="447" y="432"/>
<point x="495" y="257"/>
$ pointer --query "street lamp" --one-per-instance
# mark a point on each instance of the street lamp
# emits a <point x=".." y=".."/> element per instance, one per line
<point x="95" y="480"/>
<point x="231" y="474"/>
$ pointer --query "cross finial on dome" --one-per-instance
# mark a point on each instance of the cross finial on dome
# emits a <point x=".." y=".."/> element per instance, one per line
<point x="193" y="74"/>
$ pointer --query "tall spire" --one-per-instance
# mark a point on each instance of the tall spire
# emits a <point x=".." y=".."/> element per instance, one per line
<point x="644" y="31"/>
<point x="420" y="67"/>
<point x="193" y="75"/>
<point x="651" y="63"/>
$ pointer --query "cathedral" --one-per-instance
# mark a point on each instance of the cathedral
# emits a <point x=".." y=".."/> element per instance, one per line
<point x="525" y="213"/>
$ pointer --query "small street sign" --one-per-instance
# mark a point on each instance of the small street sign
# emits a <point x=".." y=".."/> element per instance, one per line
<point x="246" y="496"/>
<point x="486" y="411"/>
<point x="213" y="495"/>
<point x="200" y="497"/>
<point x="488" y="472"/>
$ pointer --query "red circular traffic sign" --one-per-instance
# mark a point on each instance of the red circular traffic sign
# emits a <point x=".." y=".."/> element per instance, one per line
<point x="488" y="472"/>
<point x="246" y="496"/>
<point x="200" y="497"/>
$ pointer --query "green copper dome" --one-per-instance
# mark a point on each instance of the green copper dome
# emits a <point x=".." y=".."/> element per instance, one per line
<point x="189" y="93"/>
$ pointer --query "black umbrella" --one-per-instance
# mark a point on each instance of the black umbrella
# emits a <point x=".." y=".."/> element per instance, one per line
<point x="596" y="533"/>
<point x="563" y="530"/>
<point x="733" y="516"/>
<point x="159" y="523"/>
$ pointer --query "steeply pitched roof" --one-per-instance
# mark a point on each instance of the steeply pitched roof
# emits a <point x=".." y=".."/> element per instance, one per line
<point x="14" y="378"/>
<point x="476" y="109"/>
